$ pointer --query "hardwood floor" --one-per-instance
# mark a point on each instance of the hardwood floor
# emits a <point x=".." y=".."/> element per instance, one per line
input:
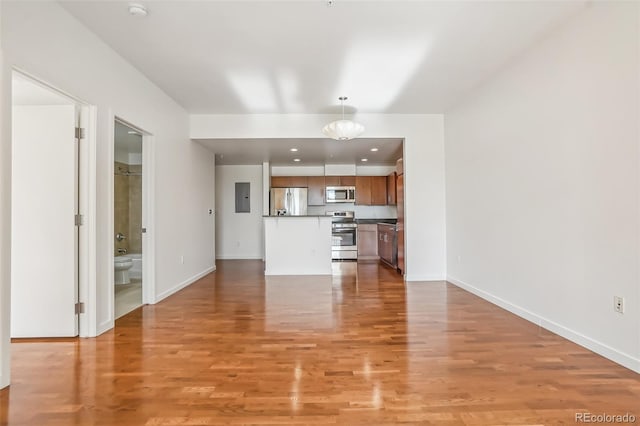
<point x="358" y="348"/>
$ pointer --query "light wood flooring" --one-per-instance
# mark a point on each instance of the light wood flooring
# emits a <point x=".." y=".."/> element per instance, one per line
<point x="361" y="347"/>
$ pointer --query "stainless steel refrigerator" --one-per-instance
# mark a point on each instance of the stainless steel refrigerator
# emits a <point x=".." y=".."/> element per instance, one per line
<point x="288" y="202"/>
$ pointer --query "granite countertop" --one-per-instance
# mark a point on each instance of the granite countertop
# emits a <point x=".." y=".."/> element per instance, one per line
<point x="375" y="221"/>
<point x="310" y="215"/>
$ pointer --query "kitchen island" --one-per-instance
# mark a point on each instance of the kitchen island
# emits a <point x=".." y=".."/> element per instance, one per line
<point x="297" y="245"/>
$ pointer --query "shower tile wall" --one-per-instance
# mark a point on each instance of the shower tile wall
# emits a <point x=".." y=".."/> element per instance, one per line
<point x="135" y="209"/>
<point x="128" y="207"/>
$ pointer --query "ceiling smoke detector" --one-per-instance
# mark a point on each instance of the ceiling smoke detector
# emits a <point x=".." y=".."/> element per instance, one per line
<point x="136" y="9"/>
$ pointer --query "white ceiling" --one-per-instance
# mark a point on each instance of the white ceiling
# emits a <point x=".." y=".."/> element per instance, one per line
<point x="299" y="56"/>
<point x="311" y="152"/>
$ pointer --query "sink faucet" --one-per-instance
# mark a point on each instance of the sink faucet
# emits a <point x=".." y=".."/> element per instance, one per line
<point x="122" y="251"/>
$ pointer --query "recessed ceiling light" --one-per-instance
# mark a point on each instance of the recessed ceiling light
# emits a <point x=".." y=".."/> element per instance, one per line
<point x="374" y="149"/>
<point x="131" y="132"/>
<point x="136" y="9"/>
<point x="296" y="159"/>
<point x="294" y="150"/>
<point x="364" y="159"/>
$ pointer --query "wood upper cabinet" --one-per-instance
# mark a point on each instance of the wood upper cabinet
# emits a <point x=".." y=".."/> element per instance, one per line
<point x="400" y="226"/>
<point x="347" y="180"/>
<point x="317" y="190"/>
<point x="340" y="180"/>
<point x="391" y="189"/>
<point x="363" y="190"/>
<point x="371" y="190"/>
<point x="378" y="190"/>
<point x="289" y="181"/>
<point x="332" y="180"/>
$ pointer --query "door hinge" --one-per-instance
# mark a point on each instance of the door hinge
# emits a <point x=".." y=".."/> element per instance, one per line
<point x="80" y="133"/>
<point x="78" y="220"/>
<point x="79" y="308"/>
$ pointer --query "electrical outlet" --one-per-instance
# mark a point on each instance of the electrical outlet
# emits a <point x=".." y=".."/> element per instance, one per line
<point x="618" y="304"/>
<point x="237" y="243"/>
<point x="182" y="260"/>
<point x="459" y="259"/>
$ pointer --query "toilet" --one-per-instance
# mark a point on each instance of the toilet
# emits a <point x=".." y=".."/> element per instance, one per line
<point x="122" y="264"/>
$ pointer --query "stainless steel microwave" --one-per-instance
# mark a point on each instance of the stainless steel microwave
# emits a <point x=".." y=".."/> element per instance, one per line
<point x="341" y="194"/>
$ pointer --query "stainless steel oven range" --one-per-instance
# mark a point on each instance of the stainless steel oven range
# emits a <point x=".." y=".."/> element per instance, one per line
<point x="344" y="236"/>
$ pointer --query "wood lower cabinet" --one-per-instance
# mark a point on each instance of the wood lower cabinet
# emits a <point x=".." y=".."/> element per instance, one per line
<point x="368" y="242"/>
<point x="387" y="244"/>
<point x="317" y="190"/>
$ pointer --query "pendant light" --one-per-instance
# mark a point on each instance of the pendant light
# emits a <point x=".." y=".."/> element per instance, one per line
<point x="343" y="130"/>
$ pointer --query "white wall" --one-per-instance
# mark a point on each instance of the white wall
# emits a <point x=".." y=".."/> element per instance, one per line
<point x="44" y="40"/>
<point x="423" y="164"/>
<point x="5" y="214"/>
<point x="297" y="170"/>
<point x="238" y="235"/>
<point x="542" y="171"/>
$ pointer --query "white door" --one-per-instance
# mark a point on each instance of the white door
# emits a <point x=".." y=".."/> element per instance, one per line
<point x="44" y="241"/>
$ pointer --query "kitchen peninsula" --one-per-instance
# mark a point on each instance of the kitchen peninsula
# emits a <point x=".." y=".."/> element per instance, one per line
<point x="297" y="245"/>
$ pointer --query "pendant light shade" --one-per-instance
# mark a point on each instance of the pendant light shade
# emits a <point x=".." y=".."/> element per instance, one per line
<point x="343" y="130"/>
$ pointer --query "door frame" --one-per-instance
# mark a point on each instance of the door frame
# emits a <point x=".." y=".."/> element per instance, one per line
<point x="86" y="203"/>
<point x="148" y="212"/>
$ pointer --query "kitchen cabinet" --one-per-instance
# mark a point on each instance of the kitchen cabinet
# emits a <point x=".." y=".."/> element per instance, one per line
<point x="347" y="180"/>
<point x="400" y="224"/>
<point x="378" y="190"/>
<point x="363" y="190"/>
<point x="340" y="180"/>
<point x="367" y="242"/>
<point x="289" y="181"/>
<point x="391" y="189"/>
<point x="316" y="193"/>
<point x="371" y="190"/>
<point x="387" y="244"/>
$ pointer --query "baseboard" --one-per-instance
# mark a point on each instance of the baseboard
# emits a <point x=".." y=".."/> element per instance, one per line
<point x="239" y="257"/>
<point x="4" y="382"/>
<point x="183" y="284"/>
<point x="606" y="351"/>
<point x="428" y="277"/>
<point x="104" y="327"/>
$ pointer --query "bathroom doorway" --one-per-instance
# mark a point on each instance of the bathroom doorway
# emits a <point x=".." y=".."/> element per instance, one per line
<point x="128" y="227"/>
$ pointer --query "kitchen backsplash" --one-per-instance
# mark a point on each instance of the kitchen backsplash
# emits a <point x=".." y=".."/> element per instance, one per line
<point x="361" y="212"/>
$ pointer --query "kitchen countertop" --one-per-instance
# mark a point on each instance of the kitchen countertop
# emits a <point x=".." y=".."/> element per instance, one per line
<point x="376" y="221"/>
<point x="310" y="215"/>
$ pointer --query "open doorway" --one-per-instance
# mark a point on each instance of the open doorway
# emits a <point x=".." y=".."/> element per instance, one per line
<point x="46" y="239"/>
<point x="128" y="228"/>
